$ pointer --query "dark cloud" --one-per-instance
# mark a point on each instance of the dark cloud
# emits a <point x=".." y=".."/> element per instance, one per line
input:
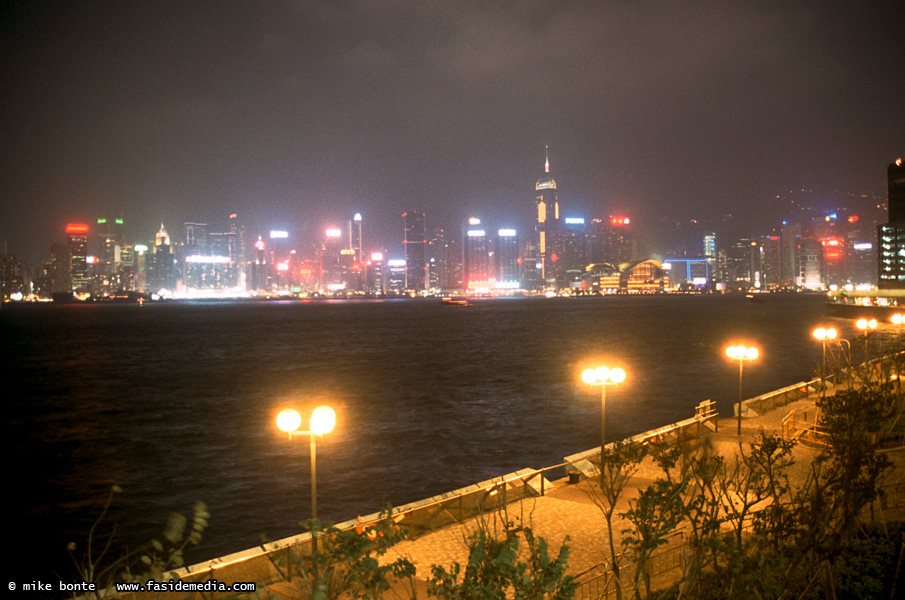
<point x="297" y="114"/>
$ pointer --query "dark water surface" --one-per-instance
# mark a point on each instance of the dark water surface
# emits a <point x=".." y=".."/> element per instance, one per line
<point x="176" y="402"/>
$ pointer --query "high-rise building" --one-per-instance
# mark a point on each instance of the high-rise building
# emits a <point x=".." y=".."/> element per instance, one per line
<point x="141" y="267"/>
<point x="790" y="263"/>
<point x="240" y="239"/>
<point x="397" y="271"/>
<point x="355" y="237"/>
<point x="476" y="256"/>
<point x="414" y="245"/>
<point x="507" y="258"/>
<point x="259" y="266"/>
<point x="164" y="271"/>
<point x="710" y="254"/>
<point x="811" y="264"/>
<point x="444" y="262"/>
<point x="377" y="283"/>
<point x="13" y="282"/>
<point x="110" y="241"/>
<point x="196" y="239"/>
<point x="891" y="236"/>
<point x="60" y="271"/>
<point x="570" y="250"/>
<point x="547" y="224"/>
<point x="332" y="261"/>
<point x="611" y="241"/>
<point x="78" y="256"/>
<point x="771" y="261"/>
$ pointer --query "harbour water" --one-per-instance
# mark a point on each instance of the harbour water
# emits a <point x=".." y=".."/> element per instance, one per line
<point x="175" y="402"/>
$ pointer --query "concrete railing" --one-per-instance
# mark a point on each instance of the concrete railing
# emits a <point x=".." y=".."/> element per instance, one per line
<point x="677" y="433"/>
<point x="262" y="563"/>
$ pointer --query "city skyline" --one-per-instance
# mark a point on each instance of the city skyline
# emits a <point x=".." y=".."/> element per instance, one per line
<point x="302" y="116"/>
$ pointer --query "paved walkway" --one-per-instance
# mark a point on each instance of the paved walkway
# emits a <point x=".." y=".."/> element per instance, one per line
<point x="567" y="509"/>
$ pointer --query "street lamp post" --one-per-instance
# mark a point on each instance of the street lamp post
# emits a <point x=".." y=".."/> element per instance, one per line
<point x="866" y="326"/>
<point x="822" y="334"/>
<point x="741" y="354"/>
<point x="603" y="376"/>
<point x="323" y="419"/>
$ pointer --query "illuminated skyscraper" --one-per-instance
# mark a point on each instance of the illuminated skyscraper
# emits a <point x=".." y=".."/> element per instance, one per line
<point x="332" y="261"/>
<point x="507" y="258"/>
<point x="164" y="271"/>
<point x="355" y="237"/>
<point x="444" y="262"/>
<point x="414" y="246"/>
<point x="110" y="237"/>
<point x="547" y="223"/>
<point x="396" y="275"/>
<point x="891" y="236"/>
<point x="476" y="257"/>
<point x="242" y="256"/>
<point x="376" y="277"/>
<point x="78" y="256"/>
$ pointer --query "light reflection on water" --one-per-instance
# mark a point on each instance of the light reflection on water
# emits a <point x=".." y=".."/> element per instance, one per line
<point x="175" y="402"/>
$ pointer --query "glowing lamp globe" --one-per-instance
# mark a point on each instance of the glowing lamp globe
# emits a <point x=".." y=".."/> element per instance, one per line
<point x="289" y="420"/>
<point x="589" y="376"/>
<point x="617" y="375"/>
<point x="323" y="420"/>
<point x="865" y="324"/>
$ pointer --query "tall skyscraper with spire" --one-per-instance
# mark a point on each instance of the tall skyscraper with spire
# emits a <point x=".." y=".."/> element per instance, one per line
<point x="547" y="225"/>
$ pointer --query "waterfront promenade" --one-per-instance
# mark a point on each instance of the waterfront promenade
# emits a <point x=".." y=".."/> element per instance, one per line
<point x="568" y="511"/>
<point x="559" y="510"/>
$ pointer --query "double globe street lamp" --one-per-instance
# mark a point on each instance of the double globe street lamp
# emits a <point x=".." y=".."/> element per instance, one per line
<point x="603" y="376"/>
<point x="867" y="327"/>
<point x="323" y="420"/>
<point x="741" y="354"/>
<point x="823" y="335"/>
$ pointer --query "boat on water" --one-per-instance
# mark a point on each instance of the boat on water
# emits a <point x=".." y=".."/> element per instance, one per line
<point x="448" y="301"/>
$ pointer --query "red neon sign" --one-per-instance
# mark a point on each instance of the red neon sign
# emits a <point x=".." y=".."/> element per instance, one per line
<point x="76" y="228"/>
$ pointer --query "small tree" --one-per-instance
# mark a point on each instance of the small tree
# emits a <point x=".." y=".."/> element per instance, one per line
<point x="346" y="562"/>
<point x="495" y="572"/>
<point x="656" y="513"/>
<point x="617" y="464"/>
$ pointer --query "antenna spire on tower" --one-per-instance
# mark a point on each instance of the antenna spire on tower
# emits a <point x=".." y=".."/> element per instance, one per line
<point x="547" y="159"/>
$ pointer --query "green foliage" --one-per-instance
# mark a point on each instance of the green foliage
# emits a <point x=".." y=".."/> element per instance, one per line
<point x="178" y="534"/>
<point x="346" y="562"/>
<point x="93" y="564"/>
<point x="752" y="530"/>
<point x="854" y="469"/>
<point x="156" y="557"/>
<point x="617" y="464"/>
<point x="495" y="572"/>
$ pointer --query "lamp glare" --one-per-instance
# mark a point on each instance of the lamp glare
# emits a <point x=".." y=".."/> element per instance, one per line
<point x="323" y="420"/>
<point x="602" y="374"/>
<point x="289" y="420"/>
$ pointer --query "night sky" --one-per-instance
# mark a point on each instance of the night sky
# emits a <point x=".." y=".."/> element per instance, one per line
<point x="298" y="114"/>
